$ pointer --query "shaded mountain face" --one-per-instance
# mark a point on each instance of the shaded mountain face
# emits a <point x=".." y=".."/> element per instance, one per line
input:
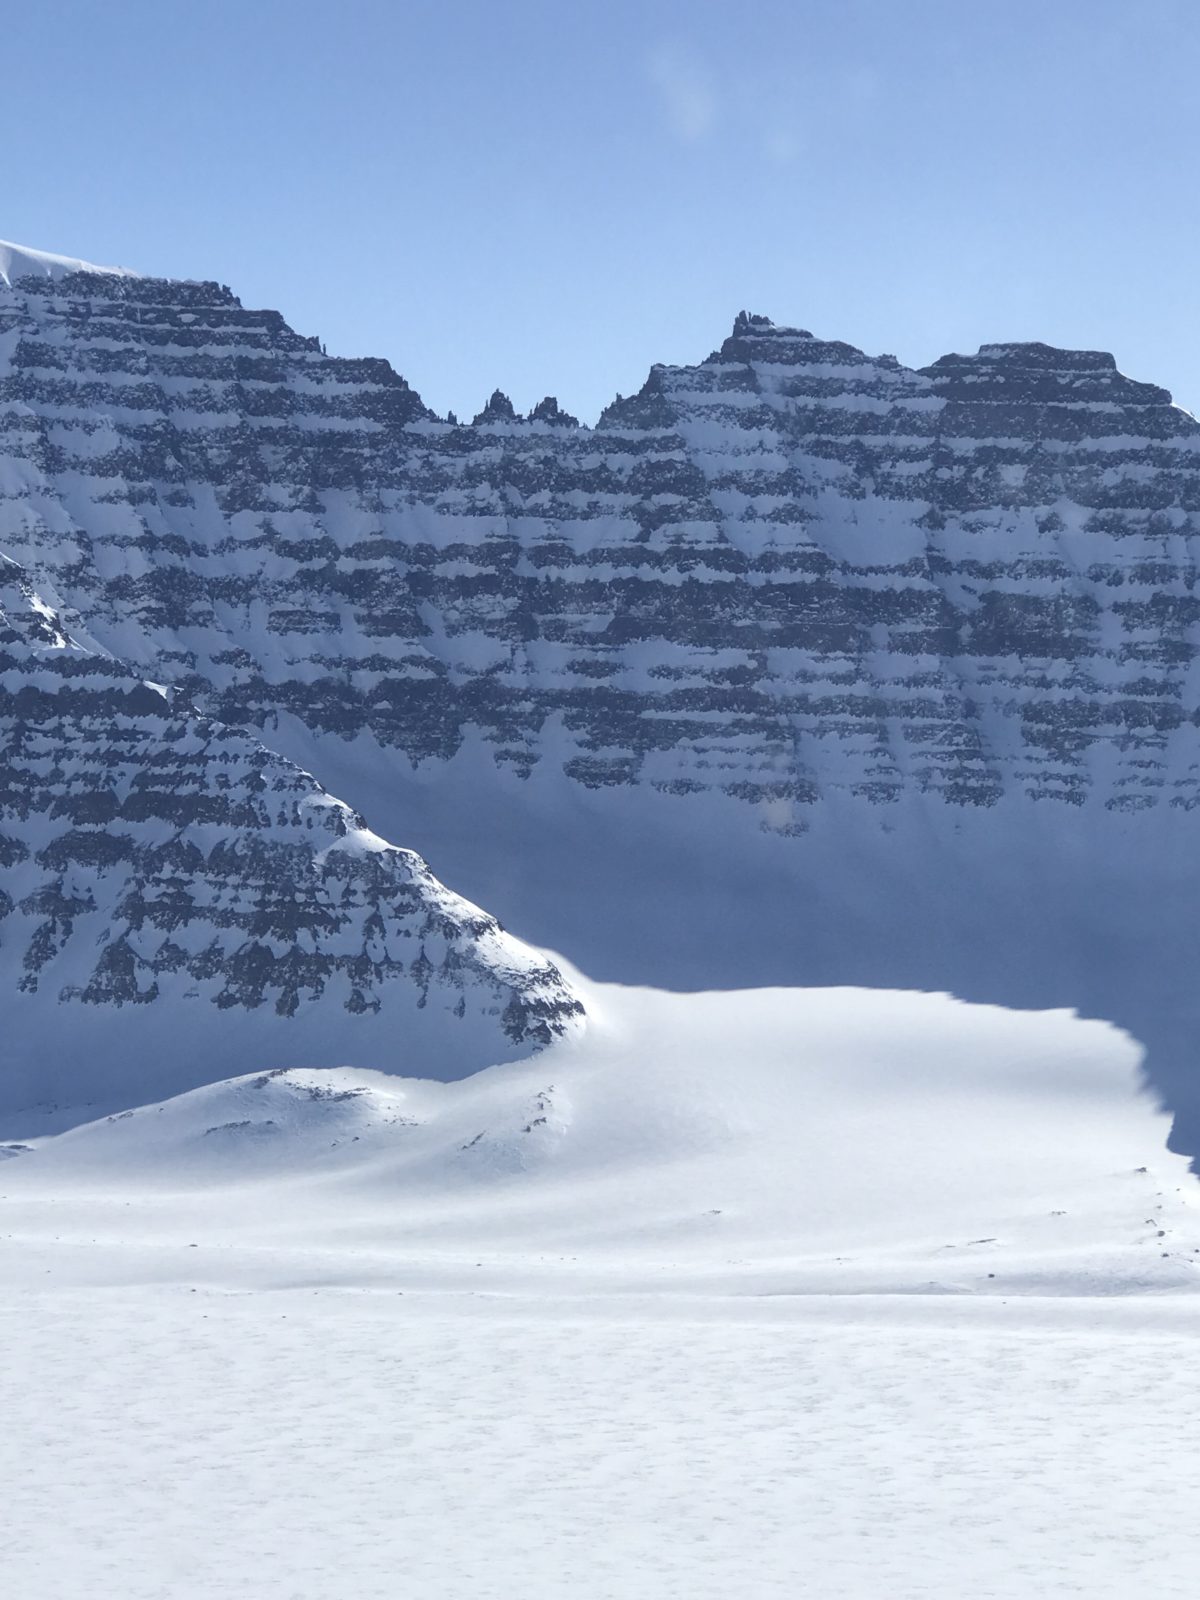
<point x="801" y="666"/>
<point x="175" y="897"/>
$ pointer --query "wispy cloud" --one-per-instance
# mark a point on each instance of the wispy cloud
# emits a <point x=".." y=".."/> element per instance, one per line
<point x="686" y="90"/>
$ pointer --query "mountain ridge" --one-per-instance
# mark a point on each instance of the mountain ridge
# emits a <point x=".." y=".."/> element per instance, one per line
<point x="799" y="471"/>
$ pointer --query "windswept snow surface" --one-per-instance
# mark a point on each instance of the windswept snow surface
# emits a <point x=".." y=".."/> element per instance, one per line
<point x="316" y="1444"/>
<point x="18" y="261"/>
<point x="770" y="1293"/>
<point x="783" y="1141"/>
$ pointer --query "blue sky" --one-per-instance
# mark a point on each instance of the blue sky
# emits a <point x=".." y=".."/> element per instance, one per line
<point x="548" y="195"/>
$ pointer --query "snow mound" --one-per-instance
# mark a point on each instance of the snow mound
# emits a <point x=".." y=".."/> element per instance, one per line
<point x="763" y="1142"/>
<point x="17" y="261"/>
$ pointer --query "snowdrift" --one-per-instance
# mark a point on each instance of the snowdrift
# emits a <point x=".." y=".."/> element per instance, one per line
<point x="771" y="1141"/>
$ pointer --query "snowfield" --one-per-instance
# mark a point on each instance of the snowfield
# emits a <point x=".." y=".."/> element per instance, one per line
<point x="774" y="1140"/>
<point x="322" y="1444"/>
<point x="779" y="1292"/>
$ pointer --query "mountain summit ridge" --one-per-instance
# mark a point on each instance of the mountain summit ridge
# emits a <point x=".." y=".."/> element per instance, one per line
<point x="254" y="499"/>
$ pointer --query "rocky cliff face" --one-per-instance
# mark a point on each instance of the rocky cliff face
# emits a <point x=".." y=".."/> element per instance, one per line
<point x="790" y="571"/>
<point x="153" y="860"/>
<point x="925" y="633"/>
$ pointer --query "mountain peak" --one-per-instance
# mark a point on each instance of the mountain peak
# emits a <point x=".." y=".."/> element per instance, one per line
<point x="498" y="409"/>
<point x="1032" y="372"/>
<point x="749" y="324"/>
<point x="1035" y="353"/>
<point x="550" y="412"/>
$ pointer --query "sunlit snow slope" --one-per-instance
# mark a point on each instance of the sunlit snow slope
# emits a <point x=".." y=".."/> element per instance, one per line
<point x="767" y="1141"/>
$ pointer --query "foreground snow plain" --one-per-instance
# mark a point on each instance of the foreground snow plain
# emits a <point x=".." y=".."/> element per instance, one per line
<point x="830" y="1292"/>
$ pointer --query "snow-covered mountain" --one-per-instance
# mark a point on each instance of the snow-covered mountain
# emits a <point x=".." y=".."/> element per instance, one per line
<point x="800" y="666"/>
<point x="802" y="677"/>
<point x="175" y="898"/>
<point x="790" y="572"/>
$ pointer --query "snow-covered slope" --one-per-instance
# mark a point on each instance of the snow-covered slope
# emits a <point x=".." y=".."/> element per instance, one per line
<point x="801" y="1141"/>
<point x="176" y="901"/>
<point x="606" y="1315"/>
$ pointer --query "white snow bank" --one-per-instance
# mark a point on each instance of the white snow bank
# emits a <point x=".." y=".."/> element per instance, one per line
<point x="771" y="1141"/>
<point x="17" y="261"/>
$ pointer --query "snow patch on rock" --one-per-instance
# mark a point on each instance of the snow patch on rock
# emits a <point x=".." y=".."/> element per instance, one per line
<point x="18" y="261"/>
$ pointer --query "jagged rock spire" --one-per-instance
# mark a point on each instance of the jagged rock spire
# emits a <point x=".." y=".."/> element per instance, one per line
<point x="549" y="411"/>
<point x="498" y="409"/>
<point x="750" y="322"/>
